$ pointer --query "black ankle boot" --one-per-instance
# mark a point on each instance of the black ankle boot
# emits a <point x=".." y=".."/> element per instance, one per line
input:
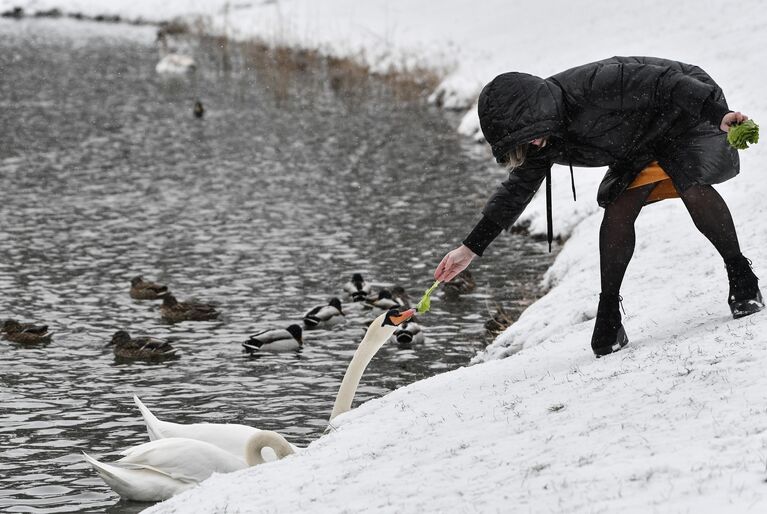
<point x="745" y="297"/>
<point x="609" y="335"/>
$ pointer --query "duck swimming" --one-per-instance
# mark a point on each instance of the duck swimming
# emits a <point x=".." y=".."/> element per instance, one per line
<point x="141" y="289"/>
<point x="276" y="340"/>
<point x="357" y="288"/>
<point x="383" y="300"/>
<point x="140" y="348"/>
<point x="25" y="333"/>
<point x="174" y="311"/>
<point x="323" y="313"/>
<point x="409" y="333"/>
<point x="462" y="283"/>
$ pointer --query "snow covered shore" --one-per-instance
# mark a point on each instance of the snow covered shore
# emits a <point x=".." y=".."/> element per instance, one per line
<point x="674" y="423"/>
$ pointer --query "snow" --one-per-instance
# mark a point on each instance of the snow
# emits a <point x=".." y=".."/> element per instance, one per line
<point x="673" y="423"/>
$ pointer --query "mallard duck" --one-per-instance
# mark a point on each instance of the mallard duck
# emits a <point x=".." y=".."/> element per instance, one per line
<point x="408" y="333"/>
<point x="357" y="288"/>
<point x="276" y="340"/>
<point x="140" y="348"/>
<point x="25" y="333"/>
<point x="399" y="294"/>
<point x="382" y="300"/>
<point x="174" y="311"/>
<point x="461" y="284"/>
<point x="141" y="289"/>
<point x="323" y="313"/>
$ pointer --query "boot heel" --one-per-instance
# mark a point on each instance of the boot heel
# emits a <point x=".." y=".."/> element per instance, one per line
<point x="621" y="340"/>
<point x="745" y="307"/>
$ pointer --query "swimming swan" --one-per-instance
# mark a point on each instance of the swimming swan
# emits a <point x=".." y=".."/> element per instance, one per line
<point x="159" y="469"/>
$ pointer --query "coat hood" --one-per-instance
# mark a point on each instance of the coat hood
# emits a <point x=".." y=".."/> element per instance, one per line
<point x="516" y="108"/>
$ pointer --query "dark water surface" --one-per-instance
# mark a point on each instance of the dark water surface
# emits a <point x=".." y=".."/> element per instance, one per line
<point x="265" y="207"/>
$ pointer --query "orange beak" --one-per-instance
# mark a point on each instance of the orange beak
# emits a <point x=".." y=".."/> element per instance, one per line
<point x="402" y="317"/>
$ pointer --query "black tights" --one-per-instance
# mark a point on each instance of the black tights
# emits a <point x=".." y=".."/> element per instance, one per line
<point x="617" y="237"/>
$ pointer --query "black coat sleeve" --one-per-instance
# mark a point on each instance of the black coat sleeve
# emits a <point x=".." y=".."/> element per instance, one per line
<point x="510" y="199"/>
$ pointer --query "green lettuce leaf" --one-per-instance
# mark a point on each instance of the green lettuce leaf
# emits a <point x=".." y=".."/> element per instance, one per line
<point x="743" y="134"/>
<point x="425" y="303"/>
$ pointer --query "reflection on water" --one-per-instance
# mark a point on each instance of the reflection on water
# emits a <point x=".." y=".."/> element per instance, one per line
<point x="263" y="207"/>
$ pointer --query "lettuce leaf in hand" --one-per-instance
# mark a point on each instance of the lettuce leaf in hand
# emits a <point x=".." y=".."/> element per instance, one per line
<point x="743" y="134"/>
<point x="425" y="303"/>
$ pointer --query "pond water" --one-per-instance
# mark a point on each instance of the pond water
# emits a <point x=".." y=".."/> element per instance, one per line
<point x="265" y="207"/>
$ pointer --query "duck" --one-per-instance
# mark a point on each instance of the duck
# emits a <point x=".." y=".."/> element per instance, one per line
<point x="175" y="64"/>
<point x="160" y="469"/>
<point x="141" y="289"/>
<point x="462" y="283"/>
<point x="323" y="313"/>
<point x="198" y="110"/>
<point x="174" y="311"/>
<point x="357" y="288"/>
<point x="399" y="294"/>
<point x="408" y="333"/>
<point x="235" y="438"/>
<point x="140" y="348"/>
<point x="276" y="340"/>
<point x="25" y="333"/>
<point x="383" y="300"/>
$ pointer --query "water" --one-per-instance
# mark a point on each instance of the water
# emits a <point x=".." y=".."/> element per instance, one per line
<point x="264" y="207"/>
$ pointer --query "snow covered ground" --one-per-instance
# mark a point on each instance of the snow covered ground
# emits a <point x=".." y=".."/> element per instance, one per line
<point x="674" y="423"/>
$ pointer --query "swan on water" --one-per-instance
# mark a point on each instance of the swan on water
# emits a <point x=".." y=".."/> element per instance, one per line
<point x="159" y="469"/>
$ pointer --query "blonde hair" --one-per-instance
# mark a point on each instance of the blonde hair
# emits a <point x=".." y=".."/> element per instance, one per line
<point x="517" y="156"/>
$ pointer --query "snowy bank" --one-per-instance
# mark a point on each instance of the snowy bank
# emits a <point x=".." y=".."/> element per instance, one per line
<point x="674" y="423"/>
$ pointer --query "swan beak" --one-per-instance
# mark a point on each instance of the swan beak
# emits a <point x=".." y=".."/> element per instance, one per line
<point x="402" y="317"/>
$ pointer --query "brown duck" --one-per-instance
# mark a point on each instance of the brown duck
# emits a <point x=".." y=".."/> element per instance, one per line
<point x="140" y="348"/>
<point x="143" y="290"/>
<point x="174" y="311"/>
<point x="25" y="333"/>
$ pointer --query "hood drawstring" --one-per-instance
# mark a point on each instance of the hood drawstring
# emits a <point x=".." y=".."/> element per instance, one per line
<point x="549" y="218"/>
<point x="549" y="213"/>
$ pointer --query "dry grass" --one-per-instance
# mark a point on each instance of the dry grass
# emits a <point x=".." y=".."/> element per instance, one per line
<point x="279" y="65"/>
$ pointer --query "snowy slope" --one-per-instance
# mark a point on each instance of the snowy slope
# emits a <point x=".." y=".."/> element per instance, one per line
<point x="674" y="423"/>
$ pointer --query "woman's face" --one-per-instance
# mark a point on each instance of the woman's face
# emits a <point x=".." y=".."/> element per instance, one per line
<point x="540" y="142"/>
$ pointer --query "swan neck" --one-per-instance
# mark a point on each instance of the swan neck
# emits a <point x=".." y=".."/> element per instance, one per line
<point x="375" y="337"/>
<point x="266" y="439"/>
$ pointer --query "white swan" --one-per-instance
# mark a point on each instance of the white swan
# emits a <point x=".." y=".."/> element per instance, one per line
<point x="379" y="331"/>
<point x="229" y="437"/>
<point x="159" y="469"/>
<point x="175" y="64"/>
<point x="234" y="438"/>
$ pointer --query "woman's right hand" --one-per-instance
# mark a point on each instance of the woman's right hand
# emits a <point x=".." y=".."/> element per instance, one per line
<point x="453" y="263"/>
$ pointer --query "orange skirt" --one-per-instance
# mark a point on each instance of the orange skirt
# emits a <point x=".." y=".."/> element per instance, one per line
<point x="654" y="174"/>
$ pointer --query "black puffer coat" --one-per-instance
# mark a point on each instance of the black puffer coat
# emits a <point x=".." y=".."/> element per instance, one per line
<point x="622" y="112"/>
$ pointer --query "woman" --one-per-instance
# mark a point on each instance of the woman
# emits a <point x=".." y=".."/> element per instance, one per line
<point x="659" y="125"/>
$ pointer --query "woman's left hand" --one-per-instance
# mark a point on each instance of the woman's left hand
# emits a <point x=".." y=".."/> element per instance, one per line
<point x="730" y="119"/>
